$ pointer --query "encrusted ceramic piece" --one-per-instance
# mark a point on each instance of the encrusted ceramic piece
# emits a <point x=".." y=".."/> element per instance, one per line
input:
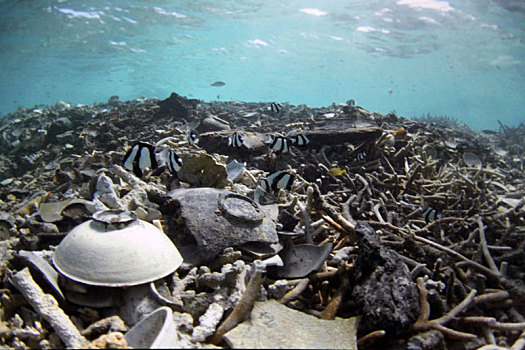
<point x="115" y="249"/>
<point x="217" y="219"/>
<point x="42" y="271"/>
<point x="54" y="211"/>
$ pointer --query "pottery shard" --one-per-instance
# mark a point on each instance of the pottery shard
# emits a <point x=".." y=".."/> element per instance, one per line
<point x="218" y="219"/>
<point x="274" y="326"/>
<point x="387" y="296"/>
<point x="53" y="211"/>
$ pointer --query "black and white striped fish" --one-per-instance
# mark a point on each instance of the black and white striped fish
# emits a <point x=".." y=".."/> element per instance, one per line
<point x="139" y="157"/>
<point x="193" y="137"/>
<point x="361" y="155"/>
<point x="170" y="159"/>
<point x="277" y="180"/>
<point x="280" y="144"/>
<point x="430" y="214"/>
<point x="275" y="107"/>
<point x="235" y="140"/>
<point x="300" y="140"/>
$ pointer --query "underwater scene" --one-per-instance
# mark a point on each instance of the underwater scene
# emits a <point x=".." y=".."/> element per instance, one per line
<point x="461" y="59"/>
<point x="262" y="174"/>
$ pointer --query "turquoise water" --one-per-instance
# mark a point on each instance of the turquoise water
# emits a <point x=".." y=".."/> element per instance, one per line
<point x="463" y="59"/>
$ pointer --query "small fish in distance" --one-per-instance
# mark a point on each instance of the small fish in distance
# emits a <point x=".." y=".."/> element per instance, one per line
<point x="139" y="157"/>
<point x="193" y="137"/>
<point x="300" y="140"/>
<point x="235" y="140"/>
<point x="280" y="144"/>
<point x="277" y="180"/>
<point x="275" y="107"/>
<point x="361" y="155"/>
<point x="400" y="133"/>
<point x="218" y="83"/>
<point x="430" y="214"/>
<point x="336" y="172"/>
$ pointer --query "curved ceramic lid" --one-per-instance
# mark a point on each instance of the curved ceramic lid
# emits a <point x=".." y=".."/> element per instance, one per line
<point x="241" y="208"/>
<point x="115" y="250"/>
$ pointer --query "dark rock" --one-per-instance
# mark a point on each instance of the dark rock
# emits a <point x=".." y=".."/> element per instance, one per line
<point x="114" y="100"/>
<point x="177" y="105"/>
<point x="384" y="290"/>
<point x="287" y="220"/>
<point x="57" y="127"/>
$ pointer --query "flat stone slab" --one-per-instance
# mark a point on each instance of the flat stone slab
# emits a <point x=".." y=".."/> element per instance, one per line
<point x="275" y="326"/>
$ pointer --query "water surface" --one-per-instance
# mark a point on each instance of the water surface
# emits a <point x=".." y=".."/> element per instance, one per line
<point x="463" y="59"/>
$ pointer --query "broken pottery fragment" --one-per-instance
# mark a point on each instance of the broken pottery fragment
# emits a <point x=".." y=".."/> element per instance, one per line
<point x="55" y="211"/>
<point x="7" y="222"/>
<point x="137" y="302"/>
<point x="202" y="170"/>
<point x="384" y="289"/>
<point x="274" y="326"/>
<point x="217" y="219"/>
<point x="116" y="249"/>
<point x="471" y="160"/>
<point x="155" y="331"/>
<point x="274" y="260"/>
<point x="235" y="170"/>
<point x="43" y="273"/>
<point x="213" y="123"/>
<point x="161" y="292"/>
<point x="450" y="144"/>
<point x="254" y="140"/>
<point x="302" y="259"/>
<point x="259" y="250"/>
<point x="90" y="296"/>
<point x="429" y="151"/>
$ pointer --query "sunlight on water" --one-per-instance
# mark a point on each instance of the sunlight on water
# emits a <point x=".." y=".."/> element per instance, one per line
<point x="462" y="59"/>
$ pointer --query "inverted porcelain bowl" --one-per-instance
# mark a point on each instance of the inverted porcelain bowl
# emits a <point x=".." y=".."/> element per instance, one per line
<point x="115" y="249"/>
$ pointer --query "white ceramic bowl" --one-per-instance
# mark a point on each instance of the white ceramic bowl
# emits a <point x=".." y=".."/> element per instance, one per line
<point x="115" y="249"/>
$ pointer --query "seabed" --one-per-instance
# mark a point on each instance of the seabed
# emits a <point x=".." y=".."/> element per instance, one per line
<point x="422" y="222"/>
